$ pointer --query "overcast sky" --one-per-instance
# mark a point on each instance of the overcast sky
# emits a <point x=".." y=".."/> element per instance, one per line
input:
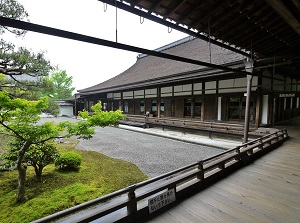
<point x="90" y="64"/>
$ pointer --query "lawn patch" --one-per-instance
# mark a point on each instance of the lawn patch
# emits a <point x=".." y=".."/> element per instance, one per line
<point x="98" y="175"/>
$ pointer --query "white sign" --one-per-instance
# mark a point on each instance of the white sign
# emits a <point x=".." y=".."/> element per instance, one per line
<point x="286" y="95"/>
<point x="161" y="200"/>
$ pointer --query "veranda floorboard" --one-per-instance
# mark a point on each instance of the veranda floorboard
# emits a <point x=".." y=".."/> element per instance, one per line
<point x="242" y="211"/>
<point x="256" y="214"/>
<point x="260" y="199"/>
<point x="233" y="214"/>
<point x="266" y="190"/>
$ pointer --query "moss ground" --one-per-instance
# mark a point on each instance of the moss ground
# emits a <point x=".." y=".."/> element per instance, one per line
<point x="97" y="176"/>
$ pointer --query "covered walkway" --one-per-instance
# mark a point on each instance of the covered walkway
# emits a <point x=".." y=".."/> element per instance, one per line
<point x="255" y="182"/>
<point x="267" y="190"/>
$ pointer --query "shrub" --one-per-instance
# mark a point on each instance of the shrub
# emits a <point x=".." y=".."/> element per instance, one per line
<point x="69" y="161"/>
<point x="53" y="108"/>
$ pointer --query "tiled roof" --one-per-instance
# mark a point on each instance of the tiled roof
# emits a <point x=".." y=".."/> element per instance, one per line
<point x="151" y="69"/>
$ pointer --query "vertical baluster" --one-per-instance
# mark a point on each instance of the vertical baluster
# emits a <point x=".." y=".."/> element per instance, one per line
<point x="132" y="206"/>
<point x="200" y="175"/>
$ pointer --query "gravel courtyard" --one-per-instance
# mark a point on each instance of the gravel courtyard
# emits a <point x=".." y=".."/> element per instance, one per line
<point x="152" y="154"/>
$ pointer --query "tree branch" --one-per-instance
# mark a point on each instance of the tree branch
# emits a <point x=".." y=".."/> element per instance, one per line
<point x="16" y="133"/>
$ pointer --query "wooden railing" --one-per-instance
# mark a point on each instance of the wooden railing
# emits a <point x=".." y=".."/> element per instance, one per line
<point x="135" y="120"/>
<point x="185" y="123"/>
<point x="129" y="204"/>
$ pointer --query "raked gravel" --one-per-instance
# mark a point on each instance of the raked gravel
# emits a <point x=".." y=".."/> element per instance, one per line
<point x="154" y="155"/>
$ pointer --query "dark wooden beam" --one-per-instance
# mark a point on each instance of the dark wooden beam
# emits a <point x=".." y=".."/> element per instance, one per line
<point x="283" y="11"/>
<point x="174" y="8"/>
<point x="229" y="20"/>
<point x="88" y="39"/>
<point x="172" y="25"/>
<point x="153" y="7"/>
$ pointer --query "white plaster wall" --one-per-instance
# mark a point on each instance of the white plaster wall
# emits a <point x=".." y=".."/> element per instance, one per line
<point x="66" y="110"/>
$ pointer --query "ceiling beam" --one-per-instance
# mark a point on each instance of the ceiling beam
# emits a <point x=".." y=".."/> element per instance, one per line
<point x="172" y="25"/>
<point x="88" y="39"/>
<point x="297" y="4"/>
<point x="176" y="6"/>
<point x="283" y="11"/>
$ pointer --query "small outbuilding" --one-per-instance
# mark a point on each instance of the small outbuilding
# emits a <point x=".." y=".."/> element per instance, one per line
<point x="66" y="108"/>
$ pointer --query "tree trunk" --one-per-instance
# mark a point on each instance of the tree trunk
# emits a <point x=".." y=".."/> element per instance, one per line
<point x="38" y="172"/>
<point x="21" y="182"/>
<point x="22" y="167"/>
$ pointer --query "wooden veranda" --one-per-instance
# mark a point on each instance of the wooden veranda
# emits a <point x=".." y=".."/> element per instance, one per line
<point x="267" y="190"/>
<point x="255" y="182"/>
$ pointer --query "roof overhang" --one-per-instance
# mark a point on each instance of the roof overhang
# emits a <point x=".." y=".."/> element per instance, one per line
<point x="269" y="28"/>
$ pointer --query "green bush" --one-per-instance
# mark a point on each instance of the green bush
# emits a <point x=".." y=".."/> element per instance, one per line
<point x="69" y="161"/>
<point x="53" y="108"/>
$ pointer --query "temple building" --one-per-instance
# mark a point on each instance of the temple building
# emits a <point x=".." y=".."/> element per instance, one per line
<point x="170" y="88"/>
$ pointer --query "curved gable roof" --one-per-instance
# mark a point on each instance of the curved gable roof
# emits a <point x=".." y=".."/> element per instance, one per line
<point x="149" y="68"/>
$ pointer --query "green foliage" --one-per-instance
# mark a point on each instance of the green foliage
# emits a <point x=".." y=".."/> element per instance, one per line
<point x="14" y="10"/>
<point x="53" y="108"/>
<point x="99" y="118"/>
<point x="41" y="155"/>
<point x="62" y="84"/>
<point x="20" y="118"/>
<point x="69" y="161"/>
<point x="9" y="154"/>
<point x="14" y="63"/>
<point x="2" y="78"/>
<point x="97" y="176"/>
<point x="38" y="155"/>
<point x="28" y="90"/>
<point x="102" y="118"/>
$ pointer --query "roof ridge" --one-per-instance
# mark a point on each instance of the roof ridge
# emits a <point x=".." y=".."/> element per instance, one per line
<point x="168" y="46"/>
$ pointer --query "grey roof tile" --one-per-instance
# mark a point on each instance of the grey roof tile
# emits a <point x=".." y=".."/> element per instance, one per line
<point x="147" y="69"/>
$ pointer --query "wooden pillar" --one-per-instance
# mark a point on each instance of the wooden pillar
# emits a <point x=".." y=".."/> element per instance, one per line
<point x="203" y="102"/>
<point x="217" y="100"/>
<point x="158" y="102"/>
<point x="133" y="102"/>
<point x="193" y="107"/>
<point x="173" y="103"/>
<point x="193" y="103"/>
<point x="258" y="110"/>
<point x="75" y="105"/>
<point x="122" y="106"/>
<point x="248" y="68"/>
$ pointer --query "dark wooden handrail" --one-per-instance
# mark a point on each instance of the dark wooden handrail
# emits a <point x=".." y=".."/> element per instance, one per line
<point x="185" y="123"/>
<point x="197" y="172"/>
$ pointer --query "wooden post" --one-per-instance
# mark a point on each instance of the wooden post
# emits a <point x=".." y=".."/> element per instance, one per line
<point x="285" y="133"/>
<point x="158" y="102"/>
<point x="203" y="102"/>
<point x="132" y="206"/>
<point x="239" y="154"/>
<point x="75" y="109"/>
<point x="249" y="68"/>
<point x="200" y="176"/>
<point x="277" y="137"/>
<point x="261" y="146"/>
<point x="258" y="110"/>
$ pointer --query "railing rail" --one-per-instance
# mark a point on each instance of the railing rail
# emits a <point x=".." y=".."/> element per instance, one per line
<point x="179" y="179"/>
<point x="186" y="123"/>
